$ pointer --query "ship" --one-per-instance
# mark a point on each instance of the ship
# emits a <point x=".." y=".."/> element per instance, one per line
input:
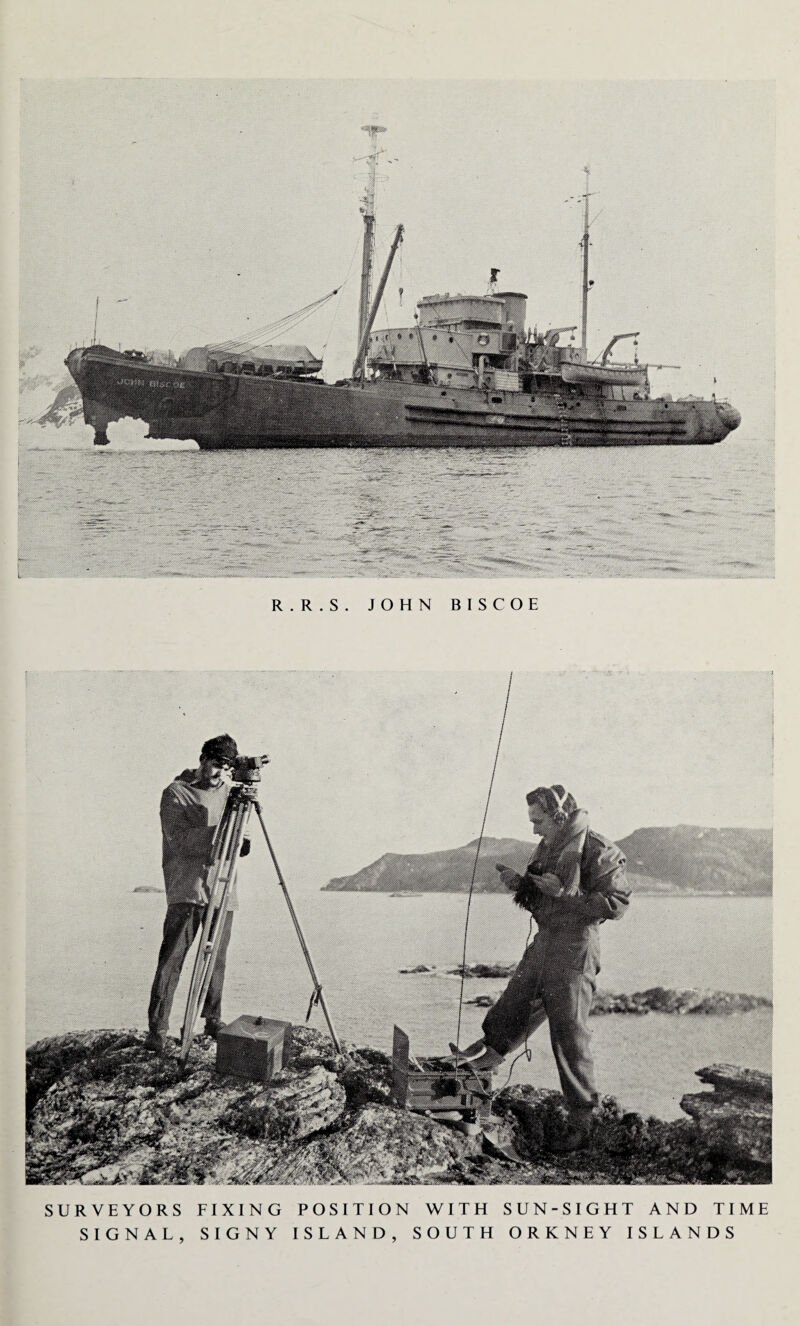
<point x="469" y="372"/>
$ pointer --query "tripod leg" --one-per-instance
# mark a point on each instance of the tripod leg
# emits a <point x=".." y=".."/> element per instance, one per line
<point x="218" y="856"/>
<point x="318" y="991"/>
<point x="222" y="873"/>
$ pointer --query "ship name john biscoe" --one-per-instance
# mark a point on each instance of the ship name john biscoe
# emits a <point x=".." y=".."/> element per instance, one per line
<point x="470" y="603"/>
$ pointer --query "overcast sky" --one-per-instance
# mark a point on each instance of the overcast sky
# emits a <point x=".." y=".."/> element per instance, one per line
<point x="367" y="763"/>
<point x="197" y="209"/>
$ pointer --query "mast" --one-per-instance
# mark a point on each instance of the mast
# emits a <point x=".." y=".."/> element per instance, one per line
<point x="96" y="310"/>
<point x="361" y="352"/>
<point x="368" y="213"/>
<point x="585" y="246"/>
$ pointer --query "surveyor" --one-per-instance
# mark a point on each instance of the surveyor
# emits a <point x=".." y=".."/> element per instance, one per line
<point x="191" y="808"/>
<point x="574" y="881"/>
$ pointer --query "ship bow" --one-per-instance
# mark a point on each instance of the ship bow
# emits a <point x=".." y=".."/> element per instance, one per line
<point x="74" y="362"/>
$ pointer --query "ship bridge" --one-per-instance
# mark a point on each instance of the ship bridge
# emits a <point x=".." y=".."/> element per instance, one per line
<point x="455" y="339"/>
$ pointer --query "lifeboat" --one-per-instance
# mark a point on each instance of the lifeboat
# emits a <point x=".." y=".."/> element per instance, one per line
<point x="622" y="375"/>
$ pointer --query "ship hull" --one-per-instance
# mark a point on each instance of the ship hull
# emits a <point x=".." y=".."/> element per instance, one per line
<point x="239" y="411"/>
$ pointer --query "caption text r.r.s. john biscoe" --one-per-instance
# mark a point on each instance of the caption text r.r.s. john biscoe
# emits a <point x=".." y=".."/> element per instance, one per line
<point x="405" y="603"/>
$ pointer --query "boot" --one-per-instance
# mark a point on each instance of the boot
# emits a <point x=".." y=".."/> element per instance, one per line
<point x="473" y="1051"/>
<point x="156" y="1041"/>
<point x="576" y="1137"/>
<point x="212" y="1027"/>
<point x="486" y="1062"/>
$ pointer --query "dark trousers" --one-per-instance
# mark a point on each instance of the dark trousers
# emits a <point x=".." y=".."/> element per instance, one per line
<point x="181" y="924"/>
<point x="554" y="981"/>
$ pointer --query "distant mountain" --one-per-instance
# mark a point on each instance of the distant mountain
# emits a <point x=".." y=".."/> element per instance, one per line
<point x="449" y="871"/>
<point x="679" y="859"/>
<point x="47" y="394"/>
<point x="703" y="860"/>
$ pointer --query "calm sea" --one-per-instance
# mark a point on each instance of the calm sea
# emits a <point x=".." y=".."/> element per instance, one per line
<point x="90" y="965"/>
<point x="167" y="509"/>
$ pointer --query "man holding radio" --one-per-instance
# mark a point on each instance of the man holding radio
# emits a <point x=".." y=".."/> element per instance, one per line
<point x="574" y="882"/>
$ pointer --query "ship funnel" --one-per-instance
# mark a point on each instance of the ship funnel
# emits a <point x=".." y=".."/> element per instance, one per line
<point x="516" y="308"/>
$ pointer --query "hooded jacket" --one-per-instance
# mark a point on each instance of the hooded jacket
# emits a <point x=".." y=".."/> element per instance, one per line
<point x="603" y="893"/>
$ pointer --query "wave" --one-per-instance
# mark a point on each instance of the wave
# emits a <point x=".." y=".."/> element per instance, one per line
<point x="127" y="435"/>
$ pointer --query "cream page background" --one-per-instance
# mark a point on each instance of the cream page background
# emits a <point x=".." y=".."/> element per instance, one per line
<point x="53" y="625"/>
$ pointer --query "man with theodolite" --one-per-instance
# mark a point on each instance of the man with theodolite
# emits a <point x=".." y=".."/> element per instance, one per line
<point x="191" y="809"/>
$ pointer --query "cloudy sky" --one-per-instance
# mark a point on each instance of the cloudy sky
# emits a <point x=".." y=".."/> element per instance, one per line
<point x="367" y="763"/>
<point x="197" y="209"/>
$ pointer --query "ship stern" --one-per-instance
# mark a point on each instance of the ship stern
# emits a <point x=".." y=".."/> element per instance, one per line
<point x="710" y="421"/>
<point x="729" y="417"/>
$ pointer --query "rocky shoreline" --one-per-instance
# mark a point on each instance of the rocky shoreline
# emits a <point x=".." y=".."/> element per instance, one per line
<point x="658" y="999"/>
<point x="103" y="1110"/>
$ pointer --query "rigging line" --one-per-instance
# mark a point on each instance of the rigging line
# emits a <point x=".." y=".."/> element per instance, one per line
<point x="277" y="328"/>
<point x="315" y="303"/>
<point x="477" y="855"/>
<point x="265" y="337"/>
<point x="297" y="321"/>
<point x="272" y="327"/>
<point x="337" y="306"/>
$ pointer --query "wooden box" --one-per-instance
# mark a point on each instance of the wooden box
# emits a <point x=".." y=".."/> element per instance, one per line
<point x="253" y="1047"/>
<point x="437" y="1089"/>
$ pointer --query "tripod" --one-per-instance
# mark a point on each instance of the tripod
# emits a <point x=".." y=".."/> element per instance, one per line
<point x="228" y="839"/>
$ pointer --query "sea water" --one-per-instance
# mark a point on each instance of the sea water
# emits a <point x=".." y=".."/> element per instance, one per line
<point x="166" y="509"/>
<point x="91" y="961"/>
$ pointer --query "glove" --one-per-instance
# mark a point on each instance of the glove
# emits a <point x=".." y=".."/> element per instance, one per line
<point x="550" y="884"/>
<point x="509" y="877"/>
<point x="245" y="847"/>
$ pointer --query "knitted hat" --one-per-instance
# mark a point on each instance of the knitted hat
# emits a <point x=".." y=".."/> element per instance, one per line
<point x="223" y="749"/>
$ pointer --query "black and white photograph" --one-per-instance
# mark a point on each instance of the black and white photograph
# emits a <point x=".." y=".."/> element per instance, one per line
<point x="399" y="702"/>
<point x="338" y="327"/>
<point x="518" y="932"/>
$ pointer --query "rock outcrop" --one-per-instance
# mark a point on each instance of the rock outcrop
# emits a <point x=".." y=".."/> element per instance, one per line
<point x="709" y="1003"/>
<point x="657" y="999"/>
<point x="660" y="1000"/>
<point x="736" y="1119"/>
<point x="103" y="1110"/>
